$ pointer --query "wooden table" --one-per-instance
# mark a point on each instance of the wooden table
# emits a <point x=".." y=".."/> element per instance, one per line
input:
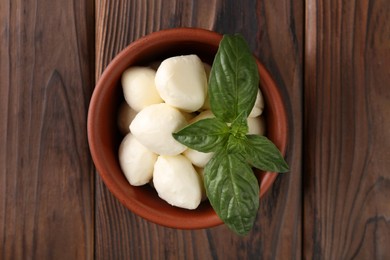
<point x="331" y="60"/>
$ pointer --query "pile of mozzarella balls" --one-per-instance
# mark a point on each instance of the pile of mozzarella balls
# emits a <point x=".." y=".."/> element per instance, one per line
<point x="158" y="102"/>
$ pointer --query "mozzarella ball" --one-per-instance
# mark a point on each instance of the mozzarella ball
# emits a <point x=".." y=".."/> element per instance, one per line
<point x="125" y="115"/>
<point x="136" y="161"/>
<point x="259" y="105"/>
<point x="181" y="82"/>
<point x="139" y="88"/>
<point x="256" y="125"/>
<point x="197" y="158"/>
<point x="206" y="105"/>
<point x="153" y="127"/>
<point x="200" y="172"/>
<point x="177" y="182"/>
<point x="207" y="69"/>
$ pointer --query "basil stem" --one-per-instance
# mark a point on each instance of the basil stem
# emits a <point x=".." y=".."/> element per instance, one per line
<point x="231" y="186"/>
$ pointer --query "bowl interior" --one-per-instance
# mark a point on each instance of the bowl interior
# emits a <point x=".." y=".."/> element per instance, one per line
<point x="104" y="136"/>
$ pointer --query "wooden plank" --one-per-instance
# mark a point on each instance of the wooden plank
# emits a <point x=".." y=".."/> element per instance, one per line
<point x="275" y="33"/>
<point x="46" y="174"/>
<point x="347" y="102"/>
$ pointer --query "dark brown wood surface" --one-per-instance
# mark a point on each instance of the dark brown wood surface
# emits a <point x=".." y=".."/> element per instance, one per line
<point x="46" y="174"/>
<point x="331" y="60"/>
<point x="346" y="125"/>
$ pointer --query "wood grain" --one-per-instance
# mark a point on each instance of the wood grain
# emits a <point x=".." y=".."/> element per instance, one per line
<point x="330" y="59"/>
<point x="275" y="33"/>
<point x="46" y="174"/>
<point x="347" y="102"/>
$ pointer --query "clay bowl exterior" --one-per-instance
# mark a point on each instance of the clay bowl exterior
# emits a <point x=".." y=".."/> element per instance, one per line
<point x="104" y="136"/>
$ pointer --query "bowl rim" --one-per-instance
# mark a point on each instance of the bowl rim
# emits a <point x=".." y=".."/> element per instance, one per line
<point x="182" y="34"/>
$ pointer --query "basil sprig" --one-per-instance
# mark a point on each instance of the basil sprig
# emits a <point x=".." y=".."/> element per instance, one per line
<point x="231" y="185"/>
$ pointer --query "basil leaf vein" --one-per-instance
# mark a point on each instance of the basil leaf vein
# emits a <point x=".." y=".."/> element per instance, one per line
<point x="234" y="79"/>
<point x="206" y="135"/>
<point x="264" y="155"/>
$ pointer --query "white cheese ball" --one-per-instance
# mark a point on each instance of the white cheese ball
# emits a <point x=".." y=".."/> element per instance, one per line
<point x="177" y="182"/>
<point x="259" y="105"/>
<point x="136" y="161"/>
<point x="206" y="105"/>
<point x="197" y="158"/>
<point x="125" y="115"/>
<point x="207" y="69"/>
<point x="139" y="88"/>
<point x="256" y="125"/>
<point x="153" y="127"/>
<point x="200" y="171"/>
<point x="182" y="83"/>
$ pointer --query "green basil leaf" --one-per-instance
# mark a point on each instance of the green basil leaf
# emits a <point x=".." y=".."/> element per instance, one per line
<point x="233" y="191"/>
<point x="264" y="155"/>
<point x="236" y="145"/>
<point x="205" y="135"/>
<point x="231" y="186"/>
<point x="234" y="79"/>
<point x="239" y="127"/>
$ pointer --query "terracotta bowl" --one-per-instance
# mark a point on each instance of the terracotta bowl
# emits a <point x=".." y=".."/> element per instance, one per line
<point x="104" y="136"/>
